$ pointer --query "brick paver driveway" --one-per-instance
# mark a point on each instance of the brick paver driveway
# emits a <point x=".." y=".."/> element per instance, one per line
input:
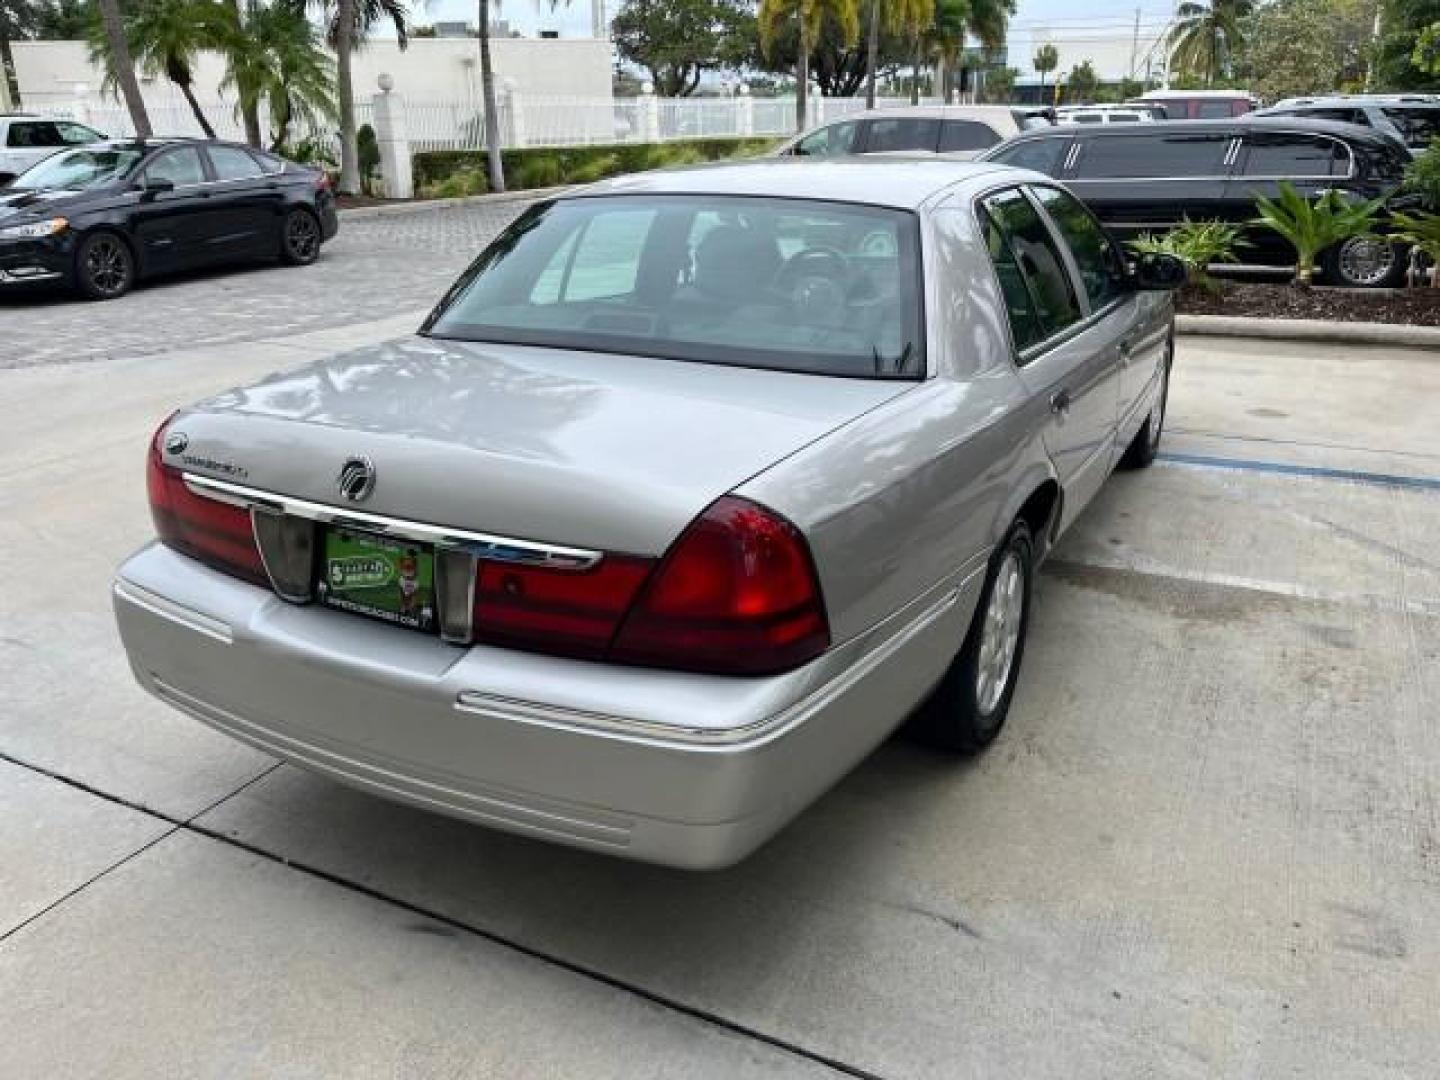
<point x="378" y="266"/>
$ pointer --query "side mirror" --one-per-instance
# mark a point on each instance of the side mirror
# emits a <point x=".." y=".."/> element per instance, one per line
<point x="156" y="185"/>
<point x="1157" y="271"/>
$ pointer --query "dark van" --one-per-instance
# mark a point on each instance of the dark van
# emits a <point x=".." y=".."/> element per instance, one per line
<point x="1151" y="177"/>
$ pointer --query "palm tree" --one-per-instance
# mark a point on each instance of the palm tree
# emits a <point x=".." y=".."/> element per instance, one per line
<point x="249" y="106"/>
<point x="911" y="17"/>
<point x="276" y="58"/>
<point x="957" y="20"/>
<point x="1046" y="58"/>
<point x="347" y="23"/>
<point x="811" y="16"/>
<point x="494" y="166"/>
<point x="164" y="37"/>
<point x="1206" y="36"/>
<point x="119" y="68"/>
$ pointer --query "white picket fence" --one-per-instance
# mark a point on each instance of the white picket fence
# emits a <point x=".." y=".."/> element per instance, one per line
<point x="531" y="121"/>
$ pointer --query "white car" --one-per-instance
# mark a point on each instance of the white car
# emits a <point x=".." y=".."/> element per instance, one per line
<point x="26" y="140"/>
<point x="1103" y="114"/>
<point x="959" y="132"/>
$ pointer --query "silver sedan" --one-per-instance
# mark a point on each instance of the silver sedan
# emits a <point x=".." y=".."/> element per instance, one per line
<point x="691" y="490"/>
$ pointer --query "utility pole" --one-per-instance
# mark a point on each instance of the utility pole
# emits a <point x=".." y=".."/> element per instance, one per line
<point x="1135" y="46"/>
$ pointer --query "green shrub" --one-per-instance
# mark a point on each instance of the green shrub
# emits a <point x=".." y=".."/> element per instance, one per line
<point x="578" y="164"/>
<point x="1423" y="231"/>
<point x="457" y="185"/>
<point x="1311" y="227"/>
<point x="369" y="150"/>
<point x="1423" y="176"/>
<point x="1199" y="244"/>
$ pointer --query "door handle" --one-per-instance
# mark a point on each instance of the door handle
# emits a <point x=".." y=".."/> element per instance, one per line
<point x="1060" y="402"/>
<point x="1127" y="347"/>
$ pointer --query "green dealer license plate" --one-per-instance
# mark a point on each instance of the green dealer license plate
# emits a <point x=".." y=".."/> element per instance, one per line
<point x="374" y="575"/>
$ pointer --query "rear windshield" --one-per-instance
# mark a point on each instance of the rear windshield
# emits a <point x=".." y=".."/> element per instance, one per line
<point x="787" y="284"/>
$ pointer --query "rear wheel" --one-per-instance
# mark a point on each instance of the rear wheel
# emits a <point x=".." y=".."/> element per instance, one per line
<point x="104" y="266"/>
<point x="968" y="708"/>
<point x="1365" y="262"/>
<point x="300" y="238"/>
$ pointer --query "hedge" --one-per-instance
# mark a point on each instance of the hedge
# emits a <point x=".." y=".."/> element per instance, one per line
<point x="449" y="173"/>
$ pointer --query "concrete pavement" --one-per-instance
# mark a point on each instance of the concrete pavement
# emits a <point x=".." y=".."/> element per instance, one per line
<point x="1207" y="844"/>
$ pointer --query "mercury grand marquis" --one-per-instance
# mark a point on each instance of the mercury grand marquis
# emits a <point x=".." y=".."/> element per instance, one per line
<point x="692" y="488"/>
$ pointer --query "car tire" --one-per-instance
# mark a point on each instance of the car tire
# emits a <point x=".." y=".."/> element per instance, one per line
<point x="966" y="711"/>
<point x="1146" y="444"/>
<point x="300" y="238"/>
<point x="104" y="266"/>
<point x="1365" y="263"/>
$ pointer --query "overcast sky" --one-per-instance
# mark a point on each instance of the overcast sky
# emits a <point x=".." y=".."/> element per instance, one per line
<point x="1065" y="18"/>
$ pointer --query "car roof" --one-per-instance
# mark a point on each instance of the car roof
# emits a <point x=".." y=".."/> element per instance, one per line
<point x="934" y="112"/>
<point x="1249" y="121"/>
<point x="1171" y="95"/>
<point x="904" y="184"/>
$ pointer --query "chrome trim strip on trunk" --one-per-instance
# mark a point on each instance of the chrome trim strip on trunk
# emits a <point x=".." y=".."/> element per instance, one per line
<point x="484" y="545"/>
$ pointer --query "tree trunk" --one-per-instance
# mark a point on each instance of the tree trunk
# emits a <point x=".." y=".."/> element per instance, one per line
<point x="345" y="91"/>
<point x="189" y="92"/>
<point x="124" y="67"/>
<point x="7" y="61"/>
<point x="802" y="76"/>
<point x="915" y="76"/>
<point x="249" y="105"/>
<point x="872" y="46"/>
<point x="494" y="165"/>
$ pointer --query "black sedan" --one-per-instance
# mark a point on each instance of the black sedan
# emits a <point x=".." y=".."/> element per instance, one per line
<point x="101" y="217"/>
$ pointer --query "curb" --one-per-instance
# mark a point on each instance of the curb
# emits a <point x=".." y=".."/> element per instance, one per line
<point x="422" y="206"/>
<point x="1347" y="333"/>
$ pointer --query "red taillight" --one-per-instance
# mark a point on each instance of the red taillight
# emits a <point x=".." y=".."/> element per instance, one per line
<point x="736" y="594"/>
<point x="215" y="533"/>
<point x="574" y="612"/>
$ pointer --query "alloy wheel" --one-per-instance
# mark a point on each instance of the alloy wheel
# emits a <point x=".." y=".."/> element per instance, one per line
<point x="1000" y="633"/>
<point x="1366" y="261"/>
<point x="302" y="236"/>
<point x="107" y="265"/>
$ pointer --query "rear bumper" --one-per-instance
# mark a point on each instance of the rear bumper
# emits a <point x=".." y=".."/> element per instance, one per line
<point x="685" y="770"/>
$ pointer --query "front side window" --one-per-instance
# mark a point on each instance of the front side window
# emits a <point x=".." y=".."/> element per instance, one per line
<point x="1153" y="157"/>
<point x="832" y="141"/>
<point x="1095" y="254"/>
<point x="785" y="284"/>
<point x="181" y="167"/>
<point x="77" y="134"/>
<point x="1042" y="155"/>
<point x="897" y="135"/>
<point x="1037" y="259"/>
<point x="1294" y="157"/>
<point x="958" y="135"/>
<point x="77" y="170"/>
<point x="231" y="163"/>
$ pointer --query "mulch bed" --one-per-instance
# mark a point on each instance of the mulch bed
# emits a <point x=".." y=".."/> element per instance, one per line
<point x="1415" y="307"/>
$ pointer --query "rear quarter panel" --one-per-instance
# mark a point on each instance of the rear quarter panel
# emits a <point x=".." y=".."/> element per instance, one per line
<point x="915" y="493"/>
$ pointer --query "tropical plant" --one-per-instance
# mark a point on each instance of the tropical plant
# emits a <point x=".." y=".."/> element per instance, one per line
<point x="1045" y="60"/>
<point x="811" y="17"/>
<point x="369" y="147"/>
<point x="1422" y="176"/>
<point x="1000" y="84"/>
<point x="346" y="24"/>
<point x="1421" y="230"/>
<point x="677" y="41"/>
<point x="1426" y="54"/>
<point x="1083" y="84"/>
<point x="956" y="21"/>
<point x="276" y="59"/>
<point x="1207" y="36"/>
<point x="163" y="37"/>
<point x="1311" y="227"/>
<point x="1199" y="244"/>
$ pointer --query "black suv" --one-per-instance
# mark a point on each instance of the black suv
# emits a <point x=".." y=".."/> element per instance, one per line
<point x="1150" y="177"/>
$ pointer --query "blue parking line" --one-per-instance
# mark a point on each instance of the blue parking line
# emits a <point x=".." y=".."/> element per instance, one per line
<point x="1422" y="483"/>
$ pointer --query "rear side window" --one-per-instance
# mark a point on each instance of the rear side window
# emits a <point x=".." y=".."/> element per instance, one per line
<point x="1215" y="110"/>
<point x="1343" y="116"/>
<point x="1418" y="126"/>
<point x="232" y="163"/>
<point x="38" y="134"/>
<point x="1294" y="157"/>
<point x="892" y="135"/>
<point x="829" y="141"/>
<point x="966" y="135"/>
<point x="1152" y="156"/>
<point x="1038" y="261"/>
<point x="181" y="167"/>
<point x="1043" y="155"/>
<point x="1086" y="118"/>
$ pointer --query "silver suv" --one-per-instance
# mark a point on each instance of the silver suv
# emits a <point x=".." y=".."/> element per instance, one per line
<point x="1414" y="119"/>
<point x="26" y="140"/>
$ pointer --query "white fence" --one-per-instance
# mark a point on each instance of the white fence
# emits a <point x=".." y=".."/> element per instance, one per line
<point x="524" y="121"/>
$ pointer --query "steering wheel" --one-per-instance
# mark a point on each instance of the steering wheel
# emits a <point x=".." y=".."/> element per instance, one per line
<point x="822" y="263"/>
